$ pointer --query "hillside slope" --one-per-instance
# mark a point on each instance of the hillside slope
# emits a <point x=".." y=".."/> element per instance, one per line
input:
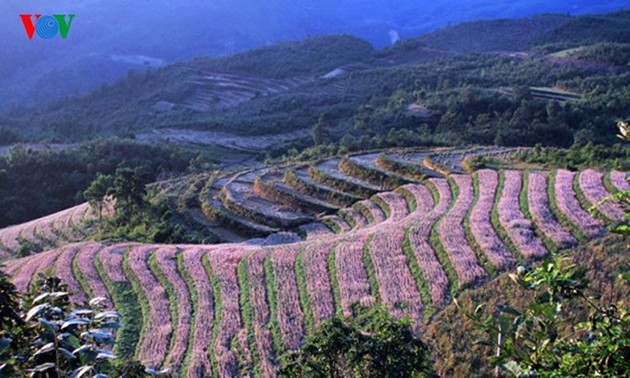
<point x="412" y="250"/>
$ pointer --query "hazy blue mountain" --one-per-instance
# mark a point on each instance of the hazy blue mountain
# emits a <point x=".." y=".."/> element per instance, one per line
<point x="109" y="37"/>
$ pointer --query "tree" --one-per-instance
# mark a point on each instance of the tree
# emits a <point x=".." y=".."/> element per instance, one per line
<point x="321" y="130"/>
<point x="96" y="193"/>
<point x="128" y="189"/>
<point x="371" y="344"/>
<point x="9" y="303"/>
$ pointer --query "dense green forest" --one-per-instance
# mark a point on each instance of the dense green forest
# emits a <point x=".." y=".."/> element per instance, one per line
<point x="37" y="183"/>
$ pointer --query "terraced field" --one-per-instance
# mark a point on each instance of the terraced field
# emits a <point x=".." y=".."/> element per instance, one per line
<point x="221" y="310"/>
<point x="47" y="232"/>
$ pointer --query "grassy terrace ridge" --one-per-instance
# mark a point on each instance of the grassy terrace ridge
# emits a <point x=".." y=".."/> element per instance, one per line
<point x="400" y="168"/>
<point x="436" y="243"/>
<point x="370" y="269"/>
<point x="343" y="213"/>
<point x="80" y="277"/>
<point x="171" y="296"/>
<point x="590" y="208"/>
<point x="129" y="304"/>
<point x="418" y="275"/>
<point x="194" y="299"/>
<point x="333" y="225"/>
<point x="524" y="205"/>
<point x="274" y="326"/>
<point x="432" y="165"/>
<point x="334" y="281"/>
<point x="481" y="256"/>
<point x="345" y="186"/>
<point x="608" y="183"/>
<point x="247" y="312"/>
<point x="372" y="176"/>
<point x="229" y="199"/>
<point x="384" y="206"/>
<point x="141" y="297"/>
<point x="305" y="300"/>
<point x="338" y="198"/>
<point x="560" y="216"/>
<point x="218" y="312"/>
<point x="496" y="223"/>
<point x="412" y="203"/>
<point x="367" y="214"/>
<point x="272" y="192"/>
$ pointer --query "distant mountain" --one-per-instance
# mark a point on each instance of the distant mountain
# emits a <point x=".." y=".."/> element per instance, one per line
<point x="110" y="37"/>
<point x="527" y="33"/>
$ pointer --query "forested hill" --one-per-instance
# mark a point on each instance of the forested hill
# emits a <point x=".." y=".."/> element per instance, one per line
<point x="531" y="33"/>
<point x="566" y="68"/>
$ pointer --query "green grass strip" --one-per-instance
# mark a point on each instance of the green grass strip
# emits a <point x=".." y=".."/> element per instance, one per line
<point x="371" y="270"/>
<point x="437" y="245"/>
<point x="560" y="216"/>
<point x="218" y="312"/>
<point x="586" y="205"/>
<point x="141" y="297"/>
<point x="170" y="295"/>
<point x="378" y="201"/>
<point x="274" y="326"/>
<point x="524" y="205"/>
<point x="78" y="274"/>
<point x="333" y="226"/>
<point x="348" y="218"/>
<point x="194" y="299"/>
<point x="608" y="183"/>
<point x="126" y="302"/>
<point x="247" y="313"/>
<point x="365" y="211"/>
<point x="496" y="223"/>
<point x="416" y="271"/>
<point x="481" y="256"/>
<point x="334" y="281"/>
<point x="305" y="300"/>
<point x="412" y="203"/>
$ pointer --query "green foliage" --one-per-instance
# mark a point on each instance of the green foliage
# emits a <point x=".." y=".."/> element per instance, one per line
<point x="8" y="137"/>
<point x="334" y="281"/>
<point x="577" y="157"/>
<point x="533" y="341"/>
<point x="247" y="313"/>
<point x="305" y="300"/>
<point x="272" y="299"/>
<point x="97" y="191"/>
<point x="612" y="53"/>
<point x="127" y="302"/>
<point x="146" y="217"/>
<point x="371" y="269"/>
<point x="194" y="300"/>
<point x="44" y="336"/>
<point x="38" y="183"/>
<point x="372" y="344"/>
<point x="217" y="295"/>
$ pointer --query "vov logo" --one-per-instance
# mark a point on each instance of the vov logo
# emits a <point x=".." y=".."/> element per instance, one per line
<point x="47" y="27"/>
